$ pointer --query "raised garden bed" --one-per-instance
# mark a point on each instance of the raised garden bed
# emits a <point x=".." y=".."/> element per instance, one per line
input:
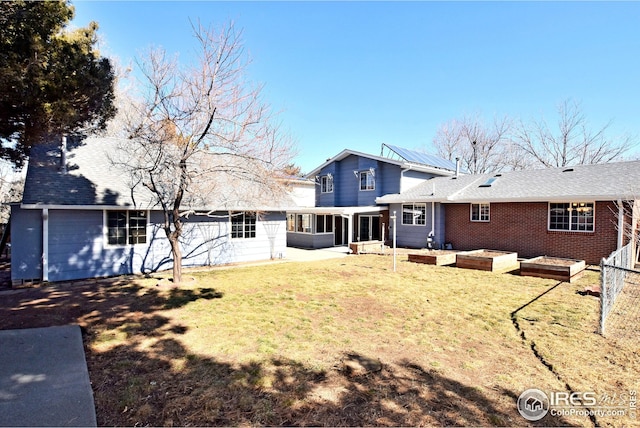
<point x="489" y="260"/>
<point x="434" y="257"/>
<point x="367" y="247"/>
<point x="568" y="270"/>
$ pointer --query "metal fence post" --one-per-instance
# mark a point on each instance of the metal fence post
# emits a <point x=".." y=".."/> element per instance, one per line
<point x="603" y="294"/>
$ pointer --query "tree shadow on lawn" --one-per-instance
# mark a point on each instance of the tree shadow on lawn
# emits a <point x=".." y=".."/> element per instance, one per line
<point x="106" y="302"/>
<point x="147" y="388"/>
<point x="149" y="377"/>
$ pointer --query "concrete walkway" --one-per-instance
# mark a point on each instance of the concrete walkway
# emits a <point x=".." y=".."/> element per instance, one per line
<point x="44" y="379"/>
<point x="303" y="255"/>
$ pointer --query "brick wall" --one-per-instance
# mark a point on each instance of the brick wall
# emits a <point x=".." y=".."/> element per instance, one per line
<point x="522" y="227"/>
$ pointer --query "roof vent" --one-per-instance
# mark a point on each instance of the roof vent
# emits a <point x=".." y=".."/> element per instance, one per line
<point x="568" y="170"/>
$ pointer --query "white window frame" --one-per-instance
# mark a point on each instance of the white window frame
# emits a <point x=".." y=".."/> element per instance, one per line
<point x="370" y="181"/>
<point x="577" y="205"/>
<point x="105" y="228"/>
<point x="249" y="230"/>
<point x="291" y="222"/>
<point x="326" y="184"/>
<point x="300" y="223"/>
<point x="481" y="218"/>
<point x="326" y="218"/>
<point x="414" y="218"/>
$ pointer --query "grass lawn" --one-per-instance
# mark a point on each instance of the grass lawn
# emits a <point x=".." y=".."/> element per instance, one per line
<point x="337" y="342"/>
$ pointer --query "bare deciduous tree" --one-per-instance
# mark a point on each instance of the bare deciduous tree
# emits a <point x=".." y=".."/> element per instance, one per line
<point x="199" y="127"/>
<point x="570" y="141"/>
<point x="480" y="147"/>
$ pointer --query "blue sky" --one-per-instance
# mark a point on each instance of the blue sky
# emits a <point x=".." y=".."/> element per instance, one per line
<point x="357" y="74"/>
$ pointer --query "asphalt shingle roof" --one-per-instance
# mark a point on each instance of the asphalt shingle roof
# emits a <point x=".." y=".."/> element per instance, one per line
<point x="583" y="182"/>
<point x="92" y="179"/>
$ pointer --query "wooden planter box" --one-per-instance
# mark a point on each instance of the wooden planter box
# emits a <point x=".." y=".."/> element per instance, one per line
<point x="364" y="247"/>
<point x="489" y="260"/>
<point x="434" y="257"/>
<point x="568" y="270"/>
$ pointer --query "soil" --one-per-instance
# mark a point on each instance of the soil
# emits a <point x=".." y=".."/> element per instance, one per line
<point x="552" y="261"/>
<point x="488" y="253"/>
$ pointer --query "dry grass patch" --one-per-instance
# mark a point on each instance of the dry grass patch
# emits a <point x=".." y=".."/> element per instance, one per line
<point x="338" y="342"/>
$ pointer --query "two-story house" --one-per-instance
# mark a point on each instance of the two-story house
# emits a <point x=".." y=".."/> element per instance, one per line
<point x="346" y="188"/>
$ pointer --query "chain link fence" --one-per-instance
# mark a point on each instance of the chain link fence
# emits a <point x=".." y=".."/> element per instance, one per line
<point x="620" y="295"/>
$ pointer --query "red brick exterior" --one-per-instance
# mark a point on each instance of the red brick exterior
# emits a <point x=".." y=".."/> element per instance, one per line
<point x="522" y="227"/>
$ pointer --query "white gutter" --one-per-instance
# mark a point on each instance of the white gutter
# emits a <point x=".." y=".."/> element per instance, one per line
<point x="45" y="245"/>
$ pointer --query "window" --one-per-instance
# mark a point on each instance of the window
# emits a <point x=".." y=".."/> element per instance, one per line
<point x="571" y="216"/>
<point x="367" y="180"/>
<point x="303" y="223"/>
<point x="414" y="214"/>
<point x="126" y="227"/>
<point x="291" y="222"/>
<point x="324" y="223"/>
<point x="479" y="212"/>
<point x="326" y="184"/>
<point x="243" y="225"/>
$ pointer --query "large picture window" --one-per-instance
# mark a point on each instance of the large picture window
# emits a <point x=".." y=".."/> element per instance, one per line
<point x="243" y="225"/>
<point x="414" y="214"/>
<point x="126" y="227"/>
<point x="571" y="216"/>
<point x="480" y="212"/>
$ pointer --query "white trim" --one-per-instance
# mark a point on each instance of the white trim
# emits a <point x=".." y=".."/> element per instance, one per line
<point x="413" y="223"/>
<point x="244" y="214"/>
<point x="479" y="220"/>
<point x="404" y="164"/>
<point x="105" y="229"/>
<point x="367" y="175"/>
<point x="329" y="183"/>
<point x="45" y="244"/>
<point x="593" y="230"/>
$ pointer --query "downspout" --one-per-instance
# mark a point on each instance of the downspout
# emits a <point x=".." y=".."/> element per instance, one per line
<point x="620" y="224"/>
<point x="402" y="171"/>
<point x="433" y="211"/>
<point x="45" y="244"/>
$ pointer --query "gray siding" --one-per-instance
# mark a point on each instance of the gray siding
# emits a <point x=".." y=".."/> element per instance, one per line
<point x="327" y="199"/>
<point x="26" y="243"/>
<point x="347" y="184"/>
<point x="77" y="246"/>
<point x="415" y="236"/>
<point x="389" y="178"/>
<point x="389" y="181"/>
<point x="308" y="240"/>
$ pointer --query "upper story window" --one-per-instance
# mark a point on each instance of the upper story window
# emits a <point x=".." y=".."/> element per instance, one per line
<point x="480" y="212"/>
<point x="126" y="227"/>
<point x="326" y="184"/>
<point x="414" y="214"/>
<point x="367" y="180"/>
<point x="243" y="225"/>
<point x="571" y="216"/>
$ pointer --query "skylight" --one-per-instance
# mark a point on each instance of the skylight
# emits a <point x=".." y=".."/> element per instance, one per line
<point x="489" y="182"/>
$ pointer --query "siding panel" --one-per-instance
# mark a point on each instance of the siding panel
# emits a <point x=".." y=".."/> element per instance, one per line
<point x="26" y="244"/>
